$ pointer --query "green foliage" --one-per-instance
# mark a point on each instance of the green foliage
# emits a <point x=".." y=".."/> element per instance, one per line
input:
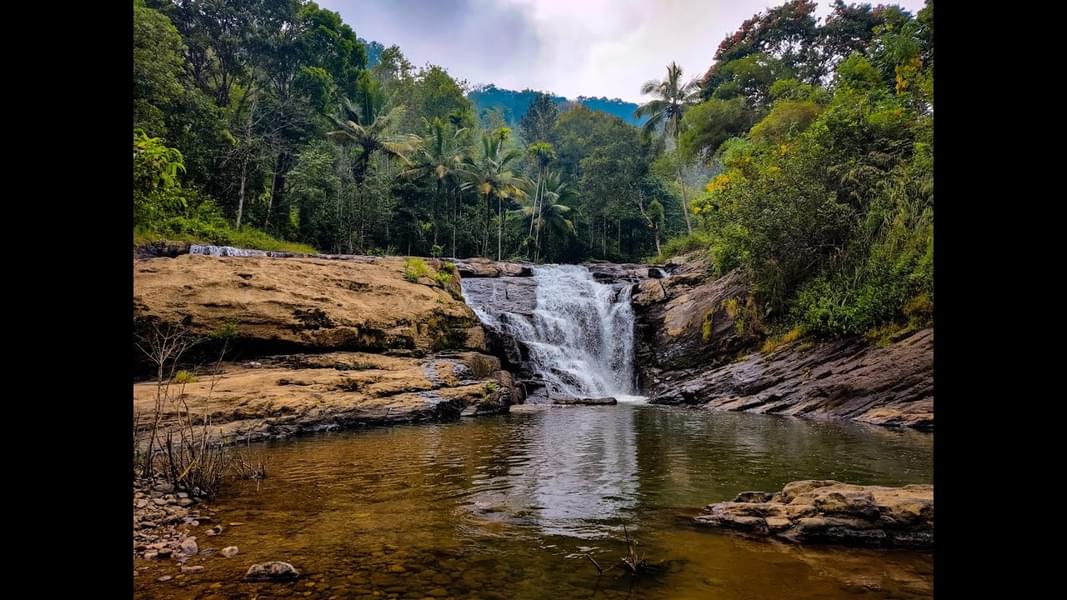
<point x="773" y="343"/>
<point x="709" y="124"/>
<point x="226" y="331"/>
<point x="157" y="192"/>
<point x="698" y="241"/>
<point x="158" y="60"/>
<point x="803" y="157"/>
<point x="415" y="268"/>
<point x="826" y="204"/>
<point x="787" y="119"/>
<point x="442" y="278"/>
<point x="183" y="377"/>
<point x="708" y="327"/>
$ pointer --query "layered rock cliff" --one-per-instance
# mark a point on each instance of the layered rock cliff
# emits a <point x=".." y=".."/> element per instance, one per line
<point x="693" y="349"/>
<point x="315" y="343"/>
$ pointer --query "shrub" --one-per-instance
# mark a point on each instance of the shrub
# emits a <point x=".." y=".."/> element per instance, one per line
<point x="414" y="268"/>
<point x="773" y="343"/>
<point x="443" y="279"/>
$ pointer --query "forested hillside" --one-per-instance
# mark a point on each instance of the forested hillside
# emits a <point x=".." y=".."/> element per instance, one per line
<point x="510" y="106"/>
<point x="803" y="157"/>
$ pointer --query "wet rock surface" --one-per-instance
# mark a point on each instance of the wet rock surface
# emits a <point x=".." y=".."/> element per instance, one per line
<point x="274" y="570"/>
<point x="568" y="400"/>
<point x="824" y="511"/>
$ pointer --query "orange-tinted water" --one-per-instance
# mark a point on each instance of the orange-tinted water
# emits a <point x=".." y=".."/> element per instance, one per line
<point x="503" y="507"/>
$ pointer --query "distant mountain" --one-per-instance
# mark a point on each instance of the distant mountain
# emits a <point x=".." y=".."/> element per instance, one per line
<point x="513" y="105"/>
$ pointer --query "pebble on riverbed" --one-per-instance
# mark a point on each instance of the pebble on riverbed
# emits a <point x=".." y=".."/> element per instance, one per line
<point x="273" y="570"/>
<point x="161" y="521"/>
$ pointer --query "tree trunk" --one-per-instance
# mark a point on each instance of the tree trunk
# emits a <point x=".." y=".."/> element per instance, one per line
<point x="685" y="201"/>
<point x="270" y="198"/>
<point x="485" y="230"/>
<point x="241" y="195"/>
<point x="455" y="217"/>
<point x="604" y="238"/>
<point x="436" y="201"/>
<point x="499" y="225"/>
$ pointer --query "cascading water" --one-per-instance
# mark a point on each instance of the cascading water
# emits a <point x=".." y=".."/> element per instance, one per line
<point x="578" y="337"/>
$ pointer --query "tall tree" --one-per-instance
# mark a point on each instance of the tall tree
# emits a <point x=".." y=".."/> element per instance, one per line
<point x="543" y="154"/>
<point x="536" y="125"/>
<point x="439" y="160"/>
<point x="488" y="175"/>
<point x="665" y="111"/>
<point x="370" y="135"/>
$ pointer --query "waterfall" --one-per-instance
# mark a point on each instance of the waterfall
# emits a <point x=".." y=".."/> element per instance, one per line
<point x="225" y="251"/>
<point x="578" y="336"/>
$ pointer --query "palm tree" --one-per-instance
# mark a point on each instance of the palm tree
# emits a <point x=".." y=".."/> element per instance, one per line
<point x="370" y="133"/>
<point x="666" y="110"/>
<point x="543" y="154"/>
<point x="547" y="213"/>
<point x="440" y="159"/>
<point x="489" y="176"/>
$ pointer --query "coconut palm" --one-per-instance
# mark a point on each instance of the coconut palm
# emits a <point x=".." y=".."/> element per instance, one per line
<point x="664" y="112"/>
<point x="548" y="213"/>
<point x="489" y="176"/>
<point x="543" y="154"/>
<point x="370" y="134"/>
<point x="440" y="159"/>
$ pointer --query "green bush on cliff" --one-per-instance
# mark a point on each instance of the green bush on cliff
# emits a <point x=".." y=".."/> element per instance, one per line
<point x="443" y="279"/>
<point x="414" y="268"/>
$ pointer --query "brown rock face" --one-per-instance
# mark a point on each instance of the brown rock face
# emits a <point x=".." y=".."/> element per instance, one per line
<point x="690" y="350"/>
<point x="276" y="397"/>
<point x="305" y="304"/>
<point x="844" y="379"/>
<point x="322" y="344"/>
<point x="832" y="512"/>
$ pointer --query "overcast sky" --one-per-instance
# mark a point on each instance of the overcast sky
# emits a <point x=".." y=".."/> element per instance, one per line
<point x="570" y="47"/>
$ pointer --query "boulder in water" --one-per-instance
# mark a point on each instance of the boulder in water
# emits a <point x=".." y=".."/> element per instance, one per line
<point x="832" y="512"/>
<point x="270" y="571"/>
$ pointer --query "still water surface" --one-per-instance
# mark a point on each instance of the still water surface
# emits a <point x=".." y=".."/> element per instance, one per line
<point x="504" y="507"/>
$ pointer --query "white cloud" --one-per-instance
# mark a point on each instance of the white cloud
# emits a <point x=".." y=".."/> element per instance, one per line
<point x="570" y="47"/>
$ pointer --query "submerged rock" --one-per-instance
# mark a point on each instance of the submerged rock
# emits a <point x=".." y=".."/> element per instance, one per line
<point x="188" y="546"/>
<point x="832" y="512"/>
<point x="229" y="551"/>
<point x="273" y="570"/>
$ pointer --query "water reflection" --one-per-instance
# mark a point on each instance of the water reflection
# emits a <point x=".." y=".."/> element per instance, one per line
<point x="492" y="508"/>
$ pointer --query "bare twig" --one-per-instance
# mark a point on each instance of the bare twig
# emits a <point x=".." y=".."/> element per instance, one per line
<point x="599" y="569"/>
